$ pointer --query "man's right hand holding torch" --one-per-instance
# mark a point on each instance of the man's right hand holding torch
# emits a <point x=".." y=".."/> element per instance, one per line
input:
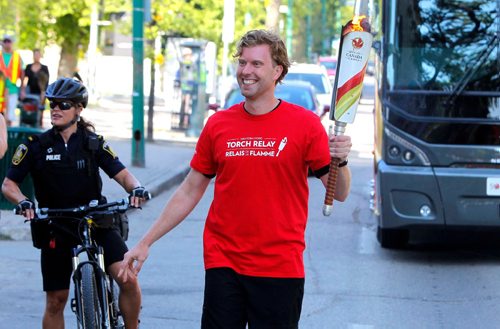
<point x="340" y="147"/>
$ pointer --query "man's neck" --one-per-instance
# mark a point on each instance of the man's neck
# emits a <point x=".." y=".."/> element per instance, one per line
<point x="261" y="105"/>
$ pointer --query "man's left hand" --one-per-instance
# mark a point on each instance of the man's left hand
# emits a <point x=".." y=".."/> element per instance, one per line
<point x="340" y="146"/>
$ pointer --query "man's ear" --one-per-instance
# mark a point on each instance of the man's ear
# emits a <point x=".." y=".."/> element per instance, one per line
<point x="278" y="69"/>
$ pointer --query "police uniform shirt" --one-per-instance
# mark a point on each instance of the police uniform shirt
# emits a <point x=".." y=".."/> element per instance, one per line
<point x="64" y="175"/>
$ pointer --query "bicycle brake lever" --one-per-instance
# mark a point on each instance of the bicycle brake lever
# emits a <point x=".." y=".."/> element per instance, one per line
<point x="41" y="213"/>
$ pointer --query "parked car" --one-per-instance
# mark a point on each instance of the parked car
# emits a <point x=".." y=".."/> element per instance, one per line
<point x="315" y="75"/>
<point x="297" y="92"/>
<point x="370" y="68"/>
<point x="330" y="64"/>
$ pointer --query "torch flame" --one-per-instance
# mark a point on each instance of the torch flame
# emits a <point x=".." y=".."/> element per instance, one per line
<point x="356" y="22"/>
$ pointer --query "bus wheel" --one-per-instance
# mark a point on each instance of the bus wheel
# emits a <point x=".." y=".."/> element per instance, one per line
<point x="392" y="238"/>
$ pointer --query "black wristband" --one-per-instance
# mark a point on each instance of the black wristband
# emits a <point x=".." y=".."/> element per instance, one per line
<point x="343" y="163"/>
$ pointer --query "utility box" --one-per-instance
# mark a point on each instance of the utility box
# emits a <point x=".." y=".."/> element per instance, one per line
<point x="16" y="136"/>
<point x="198" y="66"/>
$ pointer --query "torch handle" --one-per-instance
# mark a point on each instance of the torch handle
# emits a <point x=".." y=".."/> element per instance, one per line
<point x="338" y="129"/>
<point x="330" y="186"/>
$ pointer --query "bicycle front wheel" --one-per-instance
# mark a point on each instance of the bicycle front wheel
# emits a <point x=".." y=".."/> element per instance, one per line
<point x="91" y="313"/>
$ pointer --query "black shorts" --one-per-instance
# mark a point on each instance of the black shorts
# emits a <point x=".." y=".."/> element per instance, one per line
<point x="232" y="301"/>
<point x="57" y="266"/>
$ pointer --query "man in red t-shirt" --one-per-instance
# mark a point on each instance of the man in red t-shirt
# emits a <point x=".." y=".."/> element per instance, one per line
<point x="259" y="151"/>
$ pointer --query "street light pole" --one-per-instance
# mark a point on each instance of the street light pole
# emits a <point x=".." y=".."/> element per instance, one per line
<point x="289" y="29"/>
<point x="138" y="158"/>
<point x="227" y="37"/>
<point x="325" y="44"/>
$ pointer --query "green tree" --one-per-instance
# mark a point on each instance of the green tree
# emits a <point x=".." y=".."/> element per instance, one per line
<point x="63" y="22"/>
<point x="326" y="23"/>
<point x="202" y="19"/>
<point x="67" y="22"/>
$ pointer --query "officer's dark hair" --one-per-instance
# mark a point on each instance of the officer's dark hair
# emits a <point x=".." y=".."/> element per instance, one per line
<point x="68" y="89"/>
<point x="87" y="125"/>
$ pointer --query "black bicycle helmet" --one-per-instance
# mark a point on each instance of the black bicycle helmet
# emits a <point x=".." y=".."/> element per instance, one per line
<point x="69" y="89"/>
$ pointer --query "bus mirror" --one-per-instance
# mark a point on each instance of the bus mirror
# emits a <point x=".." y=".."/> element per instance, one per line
<point x="377" y="46"/>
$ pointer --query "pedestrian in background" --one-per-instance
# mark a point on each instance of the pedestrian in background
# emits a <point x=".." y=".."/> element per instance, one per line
<point x="259" y="152"/>
<point x="11" y="70"/>
<point x="177" y="84"/>
<point x="36" y="80"/>
<point x="3" y="136"/>
<point x="64" y="163"/>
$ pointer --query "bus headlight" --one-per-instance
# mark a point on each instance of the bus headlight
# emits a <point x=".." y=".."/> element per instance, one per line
<point x="401" y="151"/>
<point x="394" y="151"/>
<point x="408" y="156"/>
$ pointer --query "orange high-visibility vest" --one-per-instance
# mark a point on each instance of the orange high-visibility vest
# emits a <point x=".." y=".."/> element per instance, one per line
<point x="11" y="72"/>
<point x="2" y="93"/>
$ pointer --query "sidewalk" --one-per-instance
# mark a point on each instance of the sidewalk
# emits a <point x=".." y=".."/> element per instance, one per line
<point x="166" y="164"/>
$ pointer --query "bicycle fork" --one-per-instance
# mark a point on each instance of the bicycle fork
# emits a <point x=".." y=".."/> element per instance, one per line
<point x="102" y="282"/>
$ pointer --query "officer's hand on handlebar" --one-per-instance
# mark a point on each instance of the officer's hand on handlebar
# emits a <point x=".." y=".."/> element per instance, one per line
<point x="138" y="195"/>
<point x="26" y="208"/>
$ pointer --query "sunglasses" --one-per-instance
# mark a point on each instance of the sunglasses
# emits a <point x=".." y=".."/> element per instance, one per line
<point x="7" y="41"/>
<point x="63" y="106"/>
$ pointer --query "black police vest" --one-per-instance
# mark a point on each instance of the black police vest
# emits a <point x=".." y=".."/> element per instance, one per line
<point x="64" y="178"/>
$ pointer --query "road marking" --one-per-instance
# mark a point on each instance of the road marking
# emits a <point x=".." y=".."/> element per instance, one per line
<point x="366" y="244"/>
<point x="360" y="326"/>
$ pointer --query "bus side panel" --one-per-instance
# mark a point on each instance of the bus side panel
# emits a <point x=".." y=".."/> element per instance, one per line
<point x="402" y="191"/>
<point x="465" y="198"/>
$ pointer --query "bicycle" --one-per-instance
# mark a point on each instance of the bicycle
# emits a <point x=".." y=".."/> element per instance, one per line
<point x="95" y="300"/>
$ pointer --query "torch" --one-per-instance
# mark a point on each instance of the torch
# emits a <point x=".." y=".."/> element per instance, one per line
<point x="355" y="44"/>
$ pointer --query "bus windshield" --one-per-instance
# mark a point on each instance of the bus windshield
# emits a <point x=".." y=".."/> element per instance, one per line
<point x="443" y="59"/>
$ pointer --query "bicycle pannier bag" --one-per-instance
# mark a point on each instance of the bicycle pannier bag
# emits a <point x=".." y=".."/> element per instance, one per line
<point x="121" y="223"/>
<point x="40" y="234"/>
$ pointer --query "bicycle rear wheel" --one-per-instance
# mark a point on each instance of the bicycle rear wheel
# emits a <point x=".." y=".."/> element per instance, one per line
<point x="91" y="312"/>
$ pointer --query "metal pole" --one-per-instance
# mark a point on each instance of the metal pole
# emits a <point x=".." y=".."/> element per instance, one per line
<point x="289" y="28"/>
<point x="309" y="39"/>
<point x="138" y="158"/>
<point x="227" y="37"/>
<point x="325" y="44"/>
<point x="92" y="54"/>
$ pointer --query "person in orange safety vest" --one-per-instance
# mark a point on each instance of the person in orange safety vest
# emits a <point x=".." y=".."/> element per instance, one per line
<point x="11" y="71"/>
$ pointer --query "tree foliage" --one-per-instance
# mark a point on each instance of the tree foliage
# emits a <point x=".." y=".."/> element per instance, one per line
<point x="67" y="22"/>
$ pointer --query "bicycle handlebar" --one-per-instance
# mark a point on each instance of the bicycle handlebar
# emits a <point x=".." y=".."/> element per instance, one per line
<point x="93" y="208"/>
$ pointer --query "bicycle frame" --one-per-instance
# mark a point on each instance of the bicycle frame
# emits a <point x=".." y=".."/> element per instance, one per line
<point x="94" y="302"/>
<point x="95" y="257"/>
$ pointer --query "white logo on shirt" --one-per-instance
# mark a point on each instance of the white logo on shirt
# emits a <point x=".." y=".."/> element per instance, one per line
<point x="282" y="145"/>
<point x="53" y="157"/>
<point x="254" y="147"/>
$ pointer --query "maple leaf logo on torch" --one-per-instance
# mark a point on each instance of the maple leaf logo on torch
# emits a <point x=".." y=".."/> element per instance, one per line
<point x="357" y="43"/>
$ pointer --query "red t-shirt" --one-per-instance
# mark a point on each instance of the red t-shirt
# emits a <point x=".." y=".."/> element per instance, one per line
<point x="258" y="216"/>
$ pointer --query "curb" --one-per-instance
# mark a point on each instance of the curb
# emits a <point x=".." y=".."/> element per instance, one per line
<point x="177" y="178"/>
<point x="21" y="231"/>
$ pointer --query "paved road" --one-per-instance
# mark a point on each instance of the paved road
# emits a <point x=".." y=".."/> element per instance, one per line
<point x="172" y="281"/>
<point x="439" y="282"/>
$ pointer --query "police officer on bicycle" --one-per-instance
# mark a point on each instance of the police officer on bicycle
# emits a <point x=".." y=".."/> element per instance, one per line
<point x="64" y="163"/>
